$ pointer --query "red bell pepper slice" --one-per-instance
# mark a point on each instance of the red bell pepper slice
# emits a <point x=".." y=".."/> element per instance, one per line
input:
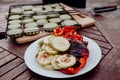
<point x="78" y="37"/>
<point x="73" y="32"/>
<point x="69" y="28"/>
<point x="67" y="31"/>
<point x="58" y="31"/>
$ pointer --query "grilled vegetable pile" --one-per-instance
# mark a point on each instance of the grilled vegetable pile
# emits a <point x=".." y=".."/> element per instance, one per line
<point x="64" y="51"/>
<point x="32" y="19"/>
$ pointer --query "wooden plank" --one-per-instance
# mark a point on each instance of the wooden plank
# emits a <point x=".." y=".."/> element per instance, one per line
<point x="109" y="68"/>
<point x="3" y="54"/>
<point x="25" y="76"/>
<point x="104" y="50"/>
<point x="3" y="20"/>
<point x="102" y="56"/>
<point x="93" y="36"/>
<point x="10" y="66"/>
<point x="93" y="28"/>
<point x="110" y="30"/>
<point x="83" y="20"/>
<point x="26" y="39"/>
<point x="7" y="59"/>
<point x="103" y="44"/>
<point x="3" y="25"/>
<point x="15" y="72"/>
<point x="3" y="30"/>
<point x="38" y="77"/>
<point x="17" y="49"/>
<point x="91" y="31"/>
<point x="1" y="49"/>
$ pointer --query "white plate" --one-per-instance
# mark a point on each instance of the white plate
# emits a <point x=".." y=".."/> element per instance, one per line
<point x="93" y="60"/>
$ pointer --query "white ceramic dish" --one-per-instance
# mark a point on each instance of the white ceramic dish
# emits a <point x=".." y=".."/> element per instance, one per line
<point x="93" y="60"/>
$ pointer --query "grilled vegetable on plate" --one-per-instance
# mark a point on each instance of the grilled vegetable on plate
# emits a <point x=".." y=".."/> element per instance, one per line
<point x="58" y="52"/>
<point x="60" y="44"/>
<point x="65" y="61"/>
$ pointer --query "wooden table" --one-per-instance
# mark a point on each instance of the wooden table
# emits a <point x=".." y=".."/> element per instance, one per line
<point x="106" y="32"/>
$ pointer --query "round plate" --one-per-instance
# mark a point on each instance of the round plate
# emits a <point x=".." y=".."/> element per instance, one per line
<point x="93" y="60"/>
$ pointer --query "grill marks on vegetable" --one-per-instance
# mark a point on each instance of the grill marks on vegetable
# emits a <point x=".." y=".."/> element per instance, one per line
<point x="66" y="59"/>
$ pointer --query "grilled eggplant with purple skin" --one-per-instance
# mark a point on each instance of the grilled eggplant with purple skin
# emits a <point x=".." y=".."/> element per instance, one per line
<point x="77" y="48"/>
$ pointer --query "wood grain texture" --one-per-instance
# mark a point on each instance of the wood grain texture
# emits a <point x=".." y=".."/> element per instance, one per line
<point x="105" y="32"/>
<point x="7" y="59"/>
<point x="14" y="48"/>
<point x="110" y="31"/>
<point x="109" y="66"/>
<point x="25" y="76"/>
<point x="3" y="54"/>
<point x="91" y="31"/>
<point x="1" y="49"/>
<point x="104" y="50"/>
<point x="101" y="38"/>
<point x="10" y="66"/>
<point x="15" y="72"/>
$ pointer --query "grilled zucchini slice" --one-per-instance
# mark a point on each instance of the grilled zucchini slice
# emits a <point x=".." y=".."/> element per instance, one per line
<point x="53" y="63"/>
<point x="60" y="44"/>
<point x="50" y="50"/>
<point x="65" y="61"/>
<point x="44" y="59"/>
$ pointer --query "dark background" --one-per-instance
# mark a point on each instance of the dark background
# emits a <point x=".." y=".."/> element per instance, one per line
<point x="74" y="3"/>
